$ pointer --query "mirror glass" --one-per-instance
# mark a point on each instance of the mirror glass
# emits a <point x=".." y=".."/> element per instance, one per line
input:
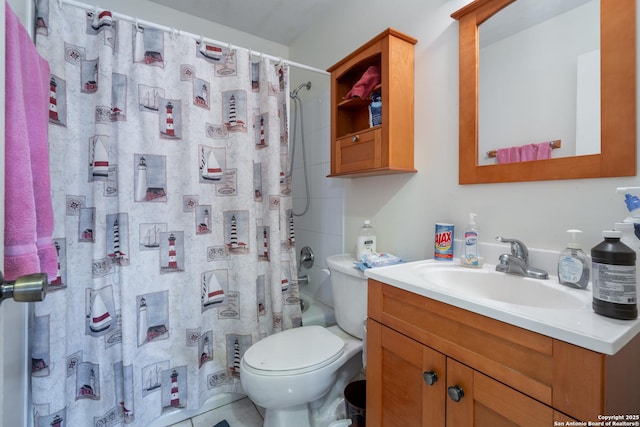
<point x="617" y="67"/>
<point x="539" y="81"/>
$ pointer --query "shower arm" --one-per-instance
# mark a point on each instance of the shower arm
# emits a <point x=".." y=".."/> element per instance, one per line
<point x="294" y="93"/>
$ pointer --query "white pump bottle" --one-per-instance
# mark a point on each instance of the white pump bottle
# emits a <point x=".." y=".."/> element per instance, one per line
<point x="471" y="256"/>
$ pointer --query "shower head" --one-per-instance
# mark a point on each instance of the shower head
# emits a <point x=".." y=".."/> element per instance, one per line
<point x="294" y="93"/>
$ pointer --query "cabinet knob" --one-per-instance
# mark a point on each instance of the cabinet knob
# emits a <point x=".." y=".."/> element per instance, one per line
<point x="355" y="138"/>
<point x="430" y="377"/>
<point x="455" y="393"/>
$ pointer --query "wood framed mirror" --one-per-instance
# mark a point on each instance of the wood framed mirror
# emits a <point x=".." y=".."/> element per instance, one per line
<point x="618" y="102"/>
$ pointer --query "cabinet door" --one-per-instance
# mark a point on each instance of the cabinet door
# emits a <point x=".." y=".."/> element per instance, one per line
<point x="405" y="380"/>
<point x="478" y="400"/>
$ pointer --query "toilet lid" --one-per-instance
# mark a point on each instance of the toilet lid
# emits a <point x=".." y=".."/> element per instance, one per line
<point x="295" y="350"/>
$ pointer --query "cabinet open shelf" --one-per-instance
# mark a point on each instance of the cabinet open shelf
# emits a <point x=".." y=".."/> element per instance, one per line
<point x="357" y="103"/>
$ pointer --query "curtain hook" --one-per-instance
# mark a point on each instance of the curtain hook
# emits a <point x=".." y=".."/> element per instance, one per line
<point x="137" y="23"/>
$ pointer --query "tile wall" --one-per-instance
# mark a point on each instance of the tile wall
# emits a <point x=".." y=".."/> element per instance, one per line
<point x="321" y="227"/>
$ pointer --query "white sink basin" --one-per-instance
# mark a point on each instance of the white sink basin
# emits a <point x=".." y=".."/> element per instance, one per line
<point x="487" y="283"/>
<point x="542" y="306"/>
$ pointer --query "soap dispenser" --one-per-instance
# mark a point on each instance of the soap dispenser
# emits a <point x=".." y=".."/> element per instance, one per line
<point x="471" y="256"/>
<point x="573" y="263"/>
<point x="633" y="205"/>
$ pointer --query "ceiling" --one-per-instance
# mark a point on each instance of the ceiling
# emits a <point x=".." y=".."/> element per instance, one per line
<point x="283" y="21"/>
<point x="280" y="21"/>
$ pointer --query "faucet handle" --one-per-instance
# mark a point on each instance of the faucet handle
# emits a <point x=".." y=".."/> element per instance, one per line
<point x="518" y="248"/>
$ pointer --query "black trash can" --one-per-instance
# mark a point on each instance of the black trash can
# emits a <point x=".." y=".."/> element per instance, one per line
<point x="355" y="399"/>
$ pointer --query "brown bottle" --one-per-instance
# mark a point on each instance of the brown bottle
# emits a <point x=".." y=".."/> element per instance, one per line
<point x="614" y="278"/>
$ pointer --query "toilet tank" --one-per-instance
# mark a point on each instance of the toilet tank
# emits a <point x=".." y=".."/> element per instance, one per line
<point x="349" y="288"/>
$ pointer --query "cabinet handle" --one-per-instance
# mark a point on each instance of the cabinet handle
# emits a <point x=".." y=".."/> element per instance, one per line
<point x="430" y="377"/>
<point x="355" y="138"/>
<point x="455" y="392"/>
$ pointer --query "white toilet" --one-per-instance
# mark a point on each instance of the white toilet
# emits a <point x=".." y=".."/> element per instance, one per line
<point x="299" y="375"/>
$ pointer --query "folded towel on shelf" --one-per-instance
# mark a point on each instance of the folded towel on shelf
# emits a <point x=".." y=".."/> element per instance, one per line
<point x="377" y="260"/>
<point x="365" y="85"/>
<point x="28" y="242"/>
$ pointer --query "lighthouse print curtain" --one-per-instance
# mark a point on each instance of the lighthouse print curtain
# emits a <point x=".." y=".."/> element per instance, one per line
<point x="173" y="219"/>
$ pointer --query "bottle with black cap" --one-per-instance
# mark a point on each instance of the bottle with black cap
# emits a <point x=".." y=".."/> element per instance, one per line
<point x="614" y="278"/>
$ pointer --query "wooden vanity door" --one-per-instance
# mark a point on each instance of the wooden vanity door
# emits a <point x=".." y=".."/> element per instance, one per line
<point x="488" y="403"/>
<point x="399" y="373"/>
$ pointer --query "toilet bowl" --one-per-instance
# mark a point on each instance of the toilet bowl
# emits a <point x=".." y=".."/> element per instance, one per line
<point x="298" y="376"/>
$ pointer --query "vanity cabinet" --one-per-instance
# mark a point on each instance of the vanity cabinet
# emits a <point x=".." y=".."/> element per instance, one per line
<point x="357" y="148"/>
<point x="433" y="364"/>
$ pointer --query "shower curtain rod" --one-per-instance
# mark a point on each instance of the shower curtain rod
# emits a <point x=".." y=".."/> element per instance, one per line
<point x="137" y="21"/>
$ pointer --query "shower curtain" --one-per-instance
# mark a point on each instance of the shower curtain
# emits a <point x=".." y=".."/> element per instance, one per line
<point x="173" y="219"/>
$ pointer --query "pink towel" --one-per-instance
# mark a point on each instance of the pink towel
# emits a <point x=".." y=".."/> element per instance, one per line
<point x="544" y="150"/>
<point x="28" y="230"/>
<point x="541" y="151"/>
<point x="508" y="155"/>
<point x="365" y="85"/>
<point x="528" y="152"/>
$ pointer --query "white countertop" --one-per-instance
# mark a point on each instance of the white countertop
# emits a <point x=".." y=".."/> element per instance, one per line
<point x="580" y="326"/>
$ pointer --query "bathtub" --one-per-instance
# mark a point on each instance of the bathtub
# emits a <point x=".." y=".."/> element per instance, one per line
<point x="315" y="313"/>
<point x="181" y="415"/>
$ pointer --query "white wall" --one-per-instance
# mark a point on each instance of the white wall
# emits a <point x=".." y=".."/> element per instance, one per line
<point x="404" y="208"/>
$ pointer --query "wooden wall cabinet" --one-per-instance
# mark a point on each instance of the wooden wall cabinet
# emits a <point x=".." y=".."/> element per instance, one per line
<point x="357" y="149"/>
<point x="433" y="364"/>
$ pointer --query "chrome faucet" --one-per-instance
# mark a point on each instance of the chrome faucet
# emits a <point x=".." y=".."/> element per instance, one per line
<point x="517" y="262"/>
<point x="306" y="260"/>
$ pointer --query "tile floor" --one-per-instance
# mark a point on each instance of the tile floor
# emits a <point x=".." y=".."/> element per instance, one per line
<point x="241" y="413"/>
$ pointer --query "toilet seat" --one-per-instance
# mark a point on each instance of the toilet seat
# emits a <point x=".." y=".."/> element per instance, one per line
<point x="294" y="351"/>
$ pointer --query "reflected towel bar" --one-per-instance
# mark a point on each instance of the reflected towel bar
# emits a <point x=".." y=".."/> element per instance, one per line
<point x="554" y="144"/>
